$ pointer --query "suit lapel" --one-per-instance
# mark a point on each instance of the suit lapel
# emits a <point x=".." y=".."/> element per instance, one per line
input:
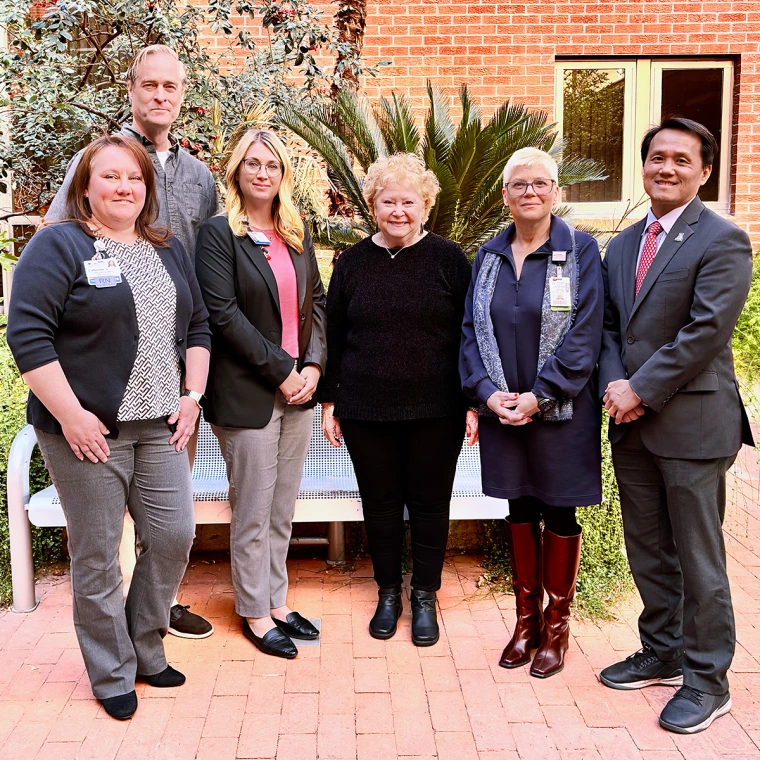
<point x="299" y="264"/>
<point x="630" y="255"/>
<point x="679" y="233"/>
<point x="258" y="257"/>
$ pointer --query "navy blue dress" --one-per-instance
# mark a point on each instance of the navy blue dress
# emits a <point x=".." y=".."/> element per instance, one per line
<point x="557" y="462"/>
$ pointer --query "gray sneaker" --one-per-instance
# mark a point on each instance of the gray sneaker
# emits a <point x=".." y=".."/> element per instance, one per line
<point x="643" y="668"/>
<point x="188" y="625"/>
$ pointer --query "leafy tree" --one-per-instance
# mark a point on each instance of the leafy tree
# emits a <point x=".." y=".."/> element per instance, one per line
<point x="63" y="74"/>
<point x="467" y="158"/>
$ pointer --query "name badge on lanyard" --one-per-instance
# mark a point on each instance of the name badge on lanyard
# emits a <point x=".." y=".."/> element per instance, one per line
<point x="560" y="298"/>
<point x="103" y="273"/>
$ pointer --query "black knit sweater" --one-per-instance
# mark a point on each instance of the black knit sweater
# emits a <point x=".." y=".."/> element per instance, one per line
<point x="393" y="331"/>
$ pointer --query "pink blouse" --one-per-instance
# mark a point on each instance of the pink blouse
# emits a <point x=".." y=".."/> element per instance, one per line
<point x="287" y="287"/>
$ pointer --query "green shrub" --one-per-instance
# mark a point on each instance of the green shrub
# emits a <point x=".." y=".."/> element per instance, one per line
<point x="47" y="544"/>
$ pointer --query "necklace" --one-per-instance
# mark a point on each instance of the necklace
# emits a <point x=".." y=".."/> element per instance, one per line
<point x="396" y="253"/>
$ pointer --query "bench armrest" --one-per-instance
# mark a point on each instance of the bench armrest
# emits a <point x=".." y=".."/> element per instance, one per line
<point x="20" y="529"/>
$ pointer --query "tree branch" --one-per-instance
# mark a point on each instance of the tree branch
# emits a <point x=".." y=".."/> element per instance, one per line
<point x="111" y="122"/>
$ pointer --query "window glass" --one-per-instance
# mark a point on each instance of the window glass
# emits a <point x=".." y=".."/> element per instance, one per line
<point x="592" y="116"/>
<point x="697" y="94"/>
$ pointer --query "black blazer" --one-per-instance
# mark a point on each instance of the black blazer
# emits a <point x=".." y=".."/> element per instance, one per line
<point x="248" y="362"/>
<point x="673" y="340"/>
<point x="56" y="315"/>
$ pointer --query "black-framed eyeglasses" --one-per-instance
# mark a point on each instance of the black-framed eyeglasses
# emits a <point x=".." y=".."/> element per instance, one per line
<point x="540" y="187"/>
<point x="252" y="166"/>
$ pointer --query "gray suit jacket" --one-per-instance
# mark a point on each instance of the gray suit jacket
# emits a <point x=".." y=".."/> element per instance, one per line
<point x="673" y="341"/>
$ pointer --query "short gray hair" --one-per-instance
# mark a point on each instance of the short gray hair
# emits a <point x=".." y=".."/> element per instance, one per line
<point x="531" y="157"/>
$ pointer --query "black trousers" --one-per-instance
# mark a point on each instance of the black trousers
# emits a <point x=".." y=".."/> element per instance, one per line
<point x="672" y="516"/>
<point x="406" y="463"/>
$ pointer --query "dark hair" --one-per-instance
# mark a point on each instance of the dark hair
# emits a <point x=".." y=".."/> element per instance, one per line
<point x="709" y="145"/>
<point x="78" y="207"/>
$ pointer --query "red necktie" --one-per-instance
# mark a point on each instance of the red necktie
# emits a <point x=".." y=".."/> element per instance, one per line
<point x="648" y="253"/>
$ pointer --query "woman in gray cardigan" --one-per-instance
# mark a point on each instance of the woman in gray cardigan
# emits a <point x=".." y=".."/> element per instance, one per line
<point x="108" y="328"/>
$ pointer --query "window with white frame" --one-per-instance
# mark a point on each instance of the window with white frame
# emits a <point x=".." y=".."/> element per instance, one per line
<point x="604" y="107"/>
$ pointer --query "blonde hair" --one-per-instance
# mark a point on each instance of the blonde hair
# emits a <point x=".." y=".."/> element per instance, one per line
<point x="287" y="221"/>
<point x="406" y="169"/>
<point x="531" y="157"/>
<point x="134" y="68"/>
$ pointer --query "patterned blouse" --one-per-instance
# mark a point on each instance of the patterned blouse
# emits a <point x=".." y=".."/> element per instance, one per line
<point x="154" y="384"/>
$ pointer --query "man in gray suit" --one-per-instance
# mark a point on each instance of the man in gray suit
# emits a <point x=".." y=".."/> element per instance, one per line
<point x="675" y="284"/>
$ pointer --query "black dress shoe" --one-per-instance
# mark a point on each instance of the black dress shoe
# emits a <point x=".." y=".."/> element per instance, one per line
<point x="273" y="642"/>
<point x="424" y="621"/>
<point x="387" y="613"/>
<point x="168" y="677"/>
<point x="691" y="710"/>
<point x="122" y="707"/>
<point x="296" y="626"/>
<point x="643" y="668"/>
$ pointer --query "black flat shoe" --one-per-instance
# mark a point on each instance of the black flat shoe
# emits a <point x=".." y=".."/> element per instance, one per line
<point x="296" y="626"/>
<point x="167" y="678"/>
<point x="273" y="642"/>
<point x="387" y="613"/>
<point x="425" y="631"/>
<point x="122" y="707"/>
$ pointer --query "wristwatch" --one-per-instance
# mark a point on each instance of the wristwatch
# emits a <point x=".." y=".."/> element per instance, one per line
<point x="546" y="404"/>
<point x="194" y="395"/>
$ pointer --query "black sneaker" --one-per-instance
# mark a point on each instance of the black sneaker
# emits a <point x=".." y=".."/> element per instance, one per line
<point x="643" y="668"/>
<point x="691" y="711"/>
<point x="187" y="624"/>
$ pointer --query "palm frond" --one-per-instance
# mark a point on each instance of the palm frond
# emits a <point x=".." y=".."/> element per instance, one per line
<point x="397" y="125"/>
<point x="336" y="233"/>
<point x="574" y="170"/>
<point x="439" y="128"/>
<point x="334" y="153"/>
<point x="355" y="124"/>
<point x="443" y="214"/>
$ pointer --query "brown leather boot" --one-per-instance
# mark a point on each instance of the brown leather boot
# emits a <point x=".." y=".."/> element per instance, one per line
<point x="562" y="556"/>
<point x="524" y="541"/>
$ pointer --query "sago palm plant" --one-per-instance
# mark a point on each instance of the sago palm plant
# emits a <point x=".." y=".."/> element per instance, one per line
<point x="467" y="158"/>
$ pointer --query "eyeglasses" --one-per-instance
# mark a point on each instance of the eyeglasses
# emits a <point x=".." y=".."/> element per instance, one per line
<point x="540" y="187"/>
<point x="252" y="166"/>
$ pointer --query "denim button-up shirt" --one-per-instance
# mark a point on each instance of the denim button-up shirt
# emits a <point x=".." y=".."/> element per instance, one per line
<point x="186" y="190"/>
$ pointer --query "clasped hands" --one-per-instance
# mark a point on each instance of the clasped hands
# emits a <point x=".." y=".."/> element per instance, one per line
<point x="622" y="403"/>
<point x="299" y="387"/>
<point x="513" y="408"/>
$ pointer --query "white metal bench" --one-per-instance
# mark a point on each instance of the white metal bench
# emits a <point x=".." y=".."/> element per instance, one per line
<point x="328" y="494"/>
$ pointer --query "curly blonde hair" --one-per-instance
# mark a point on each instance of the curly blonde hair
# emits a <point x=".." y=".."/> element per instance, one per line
<point x="405" y="169"/>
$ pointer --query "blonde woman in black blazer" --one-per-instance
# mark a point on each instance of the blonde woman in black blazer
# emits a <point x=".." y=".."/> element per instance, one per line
<point x="261" y="284"/>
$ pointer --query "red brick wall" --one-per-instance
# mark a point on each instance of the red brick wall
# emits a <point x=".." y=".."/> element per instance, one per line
<point x="508" y="49"/>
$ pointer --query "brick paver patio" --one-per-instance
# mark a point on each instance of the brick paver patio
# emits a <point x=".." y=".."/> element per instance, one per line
<point x="356" y="698"/>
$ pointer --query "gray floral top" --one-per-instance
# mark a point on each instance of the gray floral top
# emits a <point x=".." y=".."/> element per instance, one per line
<point x="154" y="384"/>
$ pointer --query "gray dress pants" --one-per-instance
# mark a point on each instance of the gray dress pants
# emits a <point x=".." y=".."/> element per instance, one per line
<point x="264" y="468"/>
<point x="152" y="480"/>
<point x="672" y="516"/>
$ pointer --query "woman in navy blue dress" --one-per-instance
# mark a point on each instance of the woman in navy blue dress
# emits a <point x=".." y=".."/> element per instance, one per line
<point x="531" y="338"/>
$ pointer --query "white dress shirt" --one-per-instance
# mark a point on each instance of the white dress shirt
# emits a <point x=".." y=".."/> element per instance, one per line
<point x="666" y="220"/>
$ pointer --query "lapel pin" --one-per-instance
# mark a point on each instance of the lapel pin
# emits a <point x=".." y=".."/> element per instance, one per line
<point x="679" y="237"/>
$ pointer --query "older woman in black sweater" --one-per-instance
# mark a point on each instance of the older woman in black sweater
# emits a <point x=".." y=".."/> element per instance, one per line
<point x="394" y="315"/>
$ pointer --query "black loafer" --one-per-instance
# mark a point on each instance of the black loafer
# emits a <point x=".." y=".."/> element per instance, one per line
<point x="387" y="613"/>
<point x="167" y="678"/>
<point x="425" y="631"/>
<point x="273" y="642"/>
<point x="643" y="668"/>
<point x="691" y="711"/>
<point x="296" y="626"/>
<point x="122" y="707"/>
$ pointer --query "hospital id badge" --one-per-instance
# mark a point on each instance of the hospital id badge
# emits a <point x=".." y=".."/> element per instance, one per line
<point x="103" y="273"/>
<point x="559" y="293"/>
<point x="259" y="237"/>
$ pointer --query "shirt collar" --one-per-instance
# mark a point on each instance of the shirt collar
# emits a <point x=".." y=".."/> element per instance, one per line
<point x="130" y="131"/>
<point x="666" y="220"/>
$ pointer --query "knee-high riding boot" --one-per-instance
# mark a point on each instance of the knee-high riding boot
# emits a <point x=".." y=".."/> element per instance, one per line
<point x="524" y="541"/>
<point x="562" y="556"/>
